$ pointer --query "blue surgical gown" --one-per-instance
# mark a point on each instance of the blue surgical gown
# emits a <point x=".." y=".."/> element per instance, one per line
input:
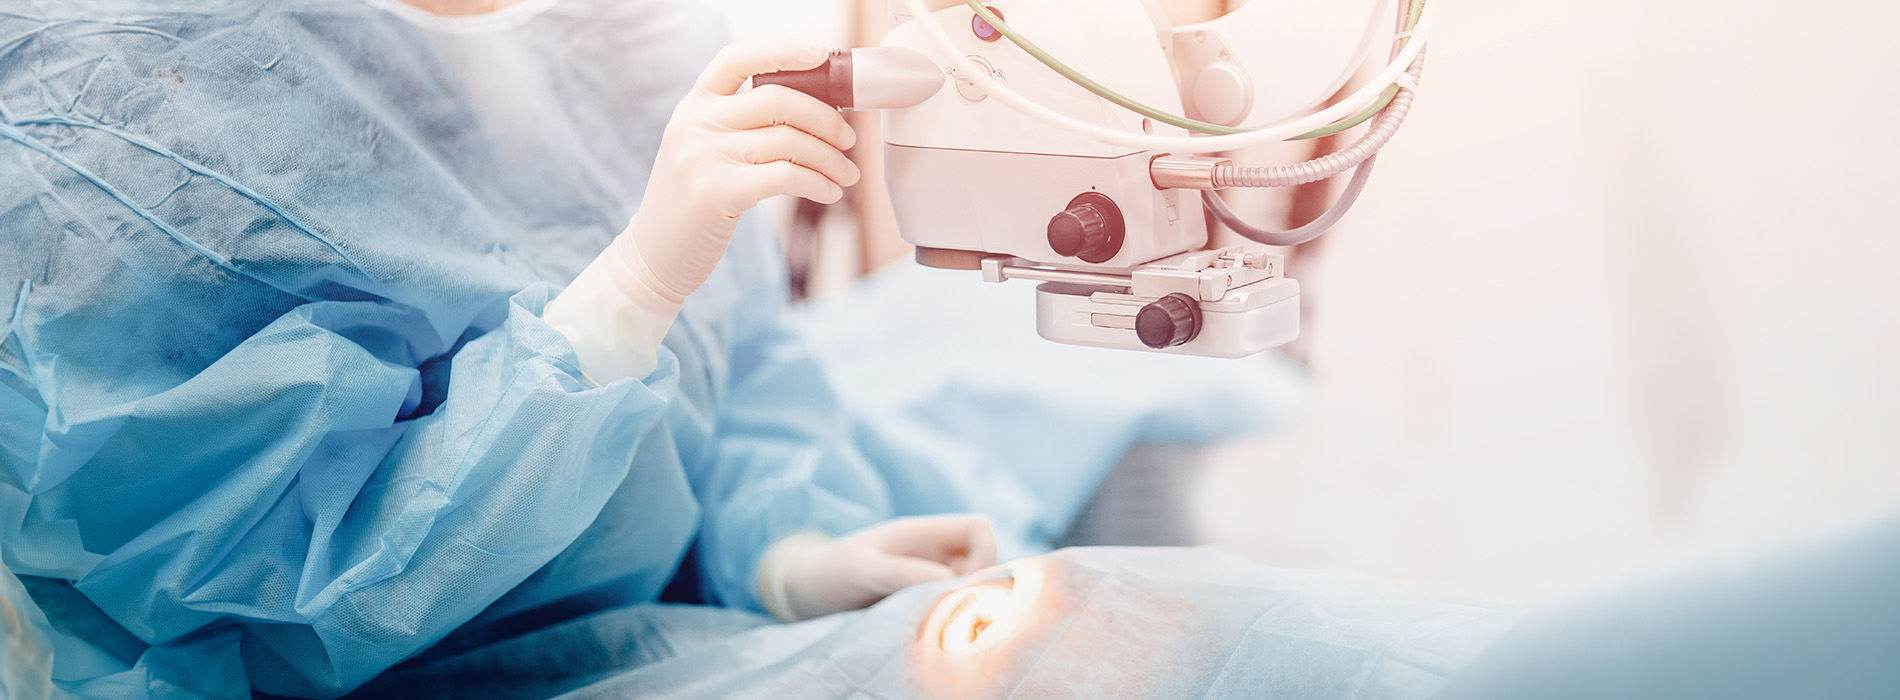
<point x="277" y="408"/>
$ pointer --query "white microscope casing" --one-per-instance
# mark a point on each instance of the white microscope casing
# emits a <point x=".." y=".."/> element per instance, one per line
<point x="977" y="184"/>
<point x="970" y="176"/>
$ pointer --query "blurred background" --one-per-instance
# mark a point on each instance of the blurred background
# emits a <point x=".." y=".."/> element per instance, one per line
<point x="1626" y="285"/>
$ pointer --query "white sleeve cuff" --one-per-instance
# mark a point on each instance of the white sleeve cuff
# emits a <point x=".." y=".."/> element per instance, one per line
<point x="613" y="318"/>
<point x="775" y="566"/>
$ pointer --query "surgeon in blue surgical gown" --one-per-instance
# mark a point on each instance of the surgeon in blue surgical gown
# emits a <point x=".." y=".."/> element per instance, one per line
<point x="298" y="380"/>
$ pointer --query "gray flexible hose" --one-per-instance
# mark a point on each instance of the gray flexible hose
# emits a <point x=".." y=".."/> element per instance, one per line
<point x="1302" y="234"/>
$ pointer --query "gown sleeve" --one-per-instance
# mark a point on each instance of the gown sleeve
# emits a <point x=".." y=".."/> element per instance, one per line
<point x="786" y="453"/>
<point x="239" y="429"/>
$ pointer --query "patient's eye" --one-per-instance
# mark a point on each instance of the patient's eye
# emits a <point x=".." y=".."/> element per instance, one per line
<point x="976" y="628"/>
<point x="983" y="612"/>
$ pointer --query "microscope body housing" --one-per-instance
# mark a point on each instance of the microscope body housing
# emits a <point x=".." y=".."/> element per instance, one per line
<point x="1125" y="263"/>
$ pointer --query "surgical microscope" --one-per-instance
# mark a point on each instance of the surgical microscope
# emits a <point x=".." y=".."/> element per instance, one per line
<point x="1095" y="187"/>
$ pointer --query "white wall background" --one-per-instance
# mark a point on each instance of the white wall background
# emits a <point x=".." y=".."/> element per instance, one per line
<point x="1628" y="283"/>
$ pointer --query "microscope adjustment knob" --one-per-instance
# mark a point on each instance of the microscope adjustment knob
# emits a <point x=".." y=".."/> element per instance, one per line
<point x="1169" y="321"/>
<point x="1090" y="229"/>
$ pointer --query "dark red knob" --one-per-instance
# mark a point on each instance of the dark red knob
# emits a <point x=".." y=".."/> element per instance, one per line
<point x="830" y="82"/>
<point x="1169" y="321"/>
<point x="1090" y="229"/>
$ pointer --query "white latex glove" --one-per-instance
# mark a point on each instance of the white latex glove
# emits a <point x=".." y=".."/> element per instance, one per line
<point x="722" y="152"/>
<point x="809" y="575"/>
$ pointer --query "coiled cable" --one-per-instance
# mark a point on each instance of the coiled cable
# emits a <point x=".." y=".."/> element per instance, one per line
<point x="1375" y="138"/>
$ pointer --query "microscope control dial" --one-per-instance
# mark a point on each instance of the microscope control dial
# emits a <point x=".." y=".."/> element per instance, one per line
<point x="1169" y="321"/>
<point x="1091" y="228"/>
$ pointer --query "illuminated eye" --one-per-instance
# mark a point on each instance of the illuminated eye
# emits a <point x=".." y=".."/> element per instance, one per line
<point x="984" y="612"/>
<point x="972" y="612"/>
<point x="977" y="627"/>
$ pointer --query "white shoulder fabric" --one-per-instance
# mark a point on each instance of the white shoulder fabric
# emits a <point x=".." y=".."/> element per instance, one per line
<point x="487" y="23"/>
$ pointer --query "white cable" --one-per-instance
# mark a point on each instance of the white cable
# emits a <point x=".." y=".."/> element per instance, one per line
<point x="1367" y="42"/>
<point x="1383" y="127"/>
<point x="1365" y="97"/>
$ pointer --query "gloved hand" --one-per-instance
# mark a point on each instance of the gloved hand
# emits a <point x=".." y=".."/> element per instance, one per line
<point x="809" y="575"/>
<point x="723" y="151"/>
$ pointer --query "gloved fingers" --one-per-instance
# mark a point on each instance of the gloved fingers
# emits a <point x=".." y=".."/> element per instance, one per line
<point x="785" y="177"/>
<point x="737" y="63"/>
<point x="774" y="143"/>
<point x="776" y="105"/>
<point x="891" y="574"/>
<point x="846" y="575"/>
<point x="962" y="542"/>
<point x="981" y="552"/>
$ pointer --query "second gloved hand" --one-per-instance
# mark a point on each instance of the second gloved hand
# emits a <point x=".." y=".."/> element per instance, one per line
<point x="723" y="152"/>
<point x="810" y="575"/>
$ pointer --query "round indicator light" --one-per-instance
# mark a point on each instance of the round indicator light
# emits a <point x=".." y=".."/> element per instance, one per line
<point x="982" y="29"/>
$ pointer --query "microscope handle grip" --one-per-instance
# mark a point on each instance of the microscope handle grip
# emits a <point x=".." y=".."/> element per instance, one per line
<point x="830" y="82"/>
